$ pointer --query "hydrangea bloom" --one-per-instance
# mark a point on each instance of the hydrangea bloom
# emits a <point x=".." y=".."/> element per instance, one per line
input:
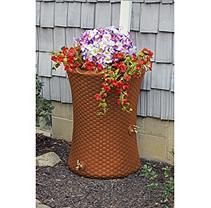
<point x="99" y="45"/>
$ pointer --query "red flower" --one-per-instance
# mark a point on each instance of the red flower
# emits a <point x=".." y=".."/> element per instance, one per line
<point x="141" y="62"/>
<point x="104" y="95"/>
<point x="124" y="101"/>
<point x="118" y="91"/>
<point x="106" y="87"/>
<point x="117" y="75"/>
<point x="118" y="56"/>
<point x="114" y="83"/>
<point x="90" y="66"/>
<point x="120" y="84"/>
<point x="134" y="57"/>
<point x="127" y="77"/>
<point x="125" y="87"/>
<point x="70" y="60"/>
<point x="148" y="52"/>
<point x="108" y="80"/>
<point x="71" y="52"/>
<point x="64" y="50"/>
<point x="138" y="67"/>
<point x="115" y="65"/>
<point x="59" y="59"/>
<point x="100" y="67"/>
<point x="118" y="102"/>
<point x="122" y="67"/>
<point x="68" y="68"/>
<point x="98" y="97"/>
<point x="54" y="58"/>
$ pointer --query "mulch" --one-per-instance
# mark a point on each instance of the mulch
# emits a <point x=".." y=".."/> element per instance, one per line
<point x="58" y="187"/>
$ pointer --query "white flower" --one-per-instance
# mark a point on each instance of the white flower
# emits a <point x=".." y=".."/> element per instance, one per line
<point x="101" y="44"/>
<point x="94" y="51"/>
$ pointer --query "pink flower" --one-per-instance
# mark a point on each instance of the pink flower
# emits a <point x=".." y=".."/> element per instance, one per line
<point x="98" y="97"/>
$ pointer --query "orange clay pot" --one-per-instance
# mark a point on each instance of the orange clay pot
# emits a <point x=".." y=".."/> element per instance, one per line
<point x="102" y="146"/>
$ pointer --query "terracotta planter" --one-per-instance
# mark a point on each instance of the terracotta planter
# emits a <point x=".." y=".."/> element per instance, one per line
<point x="102" y="146"/>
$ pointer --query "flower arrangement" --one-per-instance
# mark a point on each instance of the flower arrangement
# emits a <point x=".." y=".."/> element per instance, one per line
<point x="111" y="53"/>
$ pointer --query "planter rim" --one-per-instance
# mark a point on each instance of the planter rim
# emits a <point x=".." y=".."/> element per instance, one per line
<point x="86" y="73"/>
<point x="89" y="73"/>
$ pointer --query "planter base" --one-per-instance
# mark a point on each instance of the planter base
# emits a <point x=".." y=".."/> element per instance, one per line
<point x="110" y="176"/>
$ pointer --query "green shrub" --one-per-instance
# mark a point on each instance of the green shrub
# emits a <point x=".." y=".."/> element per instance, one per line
<point x="43" y="107"/>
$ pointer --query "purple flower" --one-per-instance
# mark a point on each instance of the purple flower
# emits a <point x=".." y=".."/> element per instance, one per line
<point x="100" y="44"/>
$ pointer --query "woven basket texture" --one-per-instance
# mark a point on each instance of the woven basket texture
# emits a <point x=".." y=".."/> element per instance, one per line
<point x="103" y="144"/>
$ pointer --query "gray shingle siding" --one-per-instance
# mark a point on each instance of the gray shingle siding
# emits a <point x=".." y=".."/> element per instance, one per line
<point x="166" y="19"/>
<point x="69" y="32"/>
<point x="47" y="14"/>
<point x="38" y="8"/>
<point x="115" y="1"/>
<point x="72" y="34"/>
<point x="103" y="0"/>
<point x="37" y="38"/>
<point x="103" y="15"/>
<point x="152" y="1"/>
<point x="167" y="105"/>
<point x="154" y="103"/>
<point x="164" y="47"/>
<point x="172" y="79"/>
<point x="93" y="1"/>
<point x="135" y="16"/>
<point x="146" y="84"/>
<point x="59" y="38"/>
<point x="149" y="18"/>
<point x="87" y="15"/>
<point x="61" y="14"/>
<point x="66" y="96"/>
<point x="145" y="40"/>
<point x="161" y="76"/>
<point x="44" y="65"/>
<point x="46" y="88"/>
<point x="58" y="22"/>
<point x="115" y="14"/>
<point x="74" y="14"/>
<point x="167" y="1"/>
<point x="143" y="103"/>
<point x="59" y="72"/>
<point x="46" y="39"/>
<point x="37" y="62"/>
<point x="139" y="1"/>
<point x="55" y="88"/>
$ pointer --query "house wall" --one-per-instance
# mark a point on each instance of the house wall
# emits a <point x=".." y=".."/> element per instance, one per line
<point x="152" y="26"/>
<point x="58" y="22"/>
<point x="155" y="138"/>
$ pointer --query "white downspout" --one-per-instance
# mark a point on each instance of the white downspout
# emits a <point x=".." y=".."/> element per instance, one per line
<point x="125" y="15"/>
